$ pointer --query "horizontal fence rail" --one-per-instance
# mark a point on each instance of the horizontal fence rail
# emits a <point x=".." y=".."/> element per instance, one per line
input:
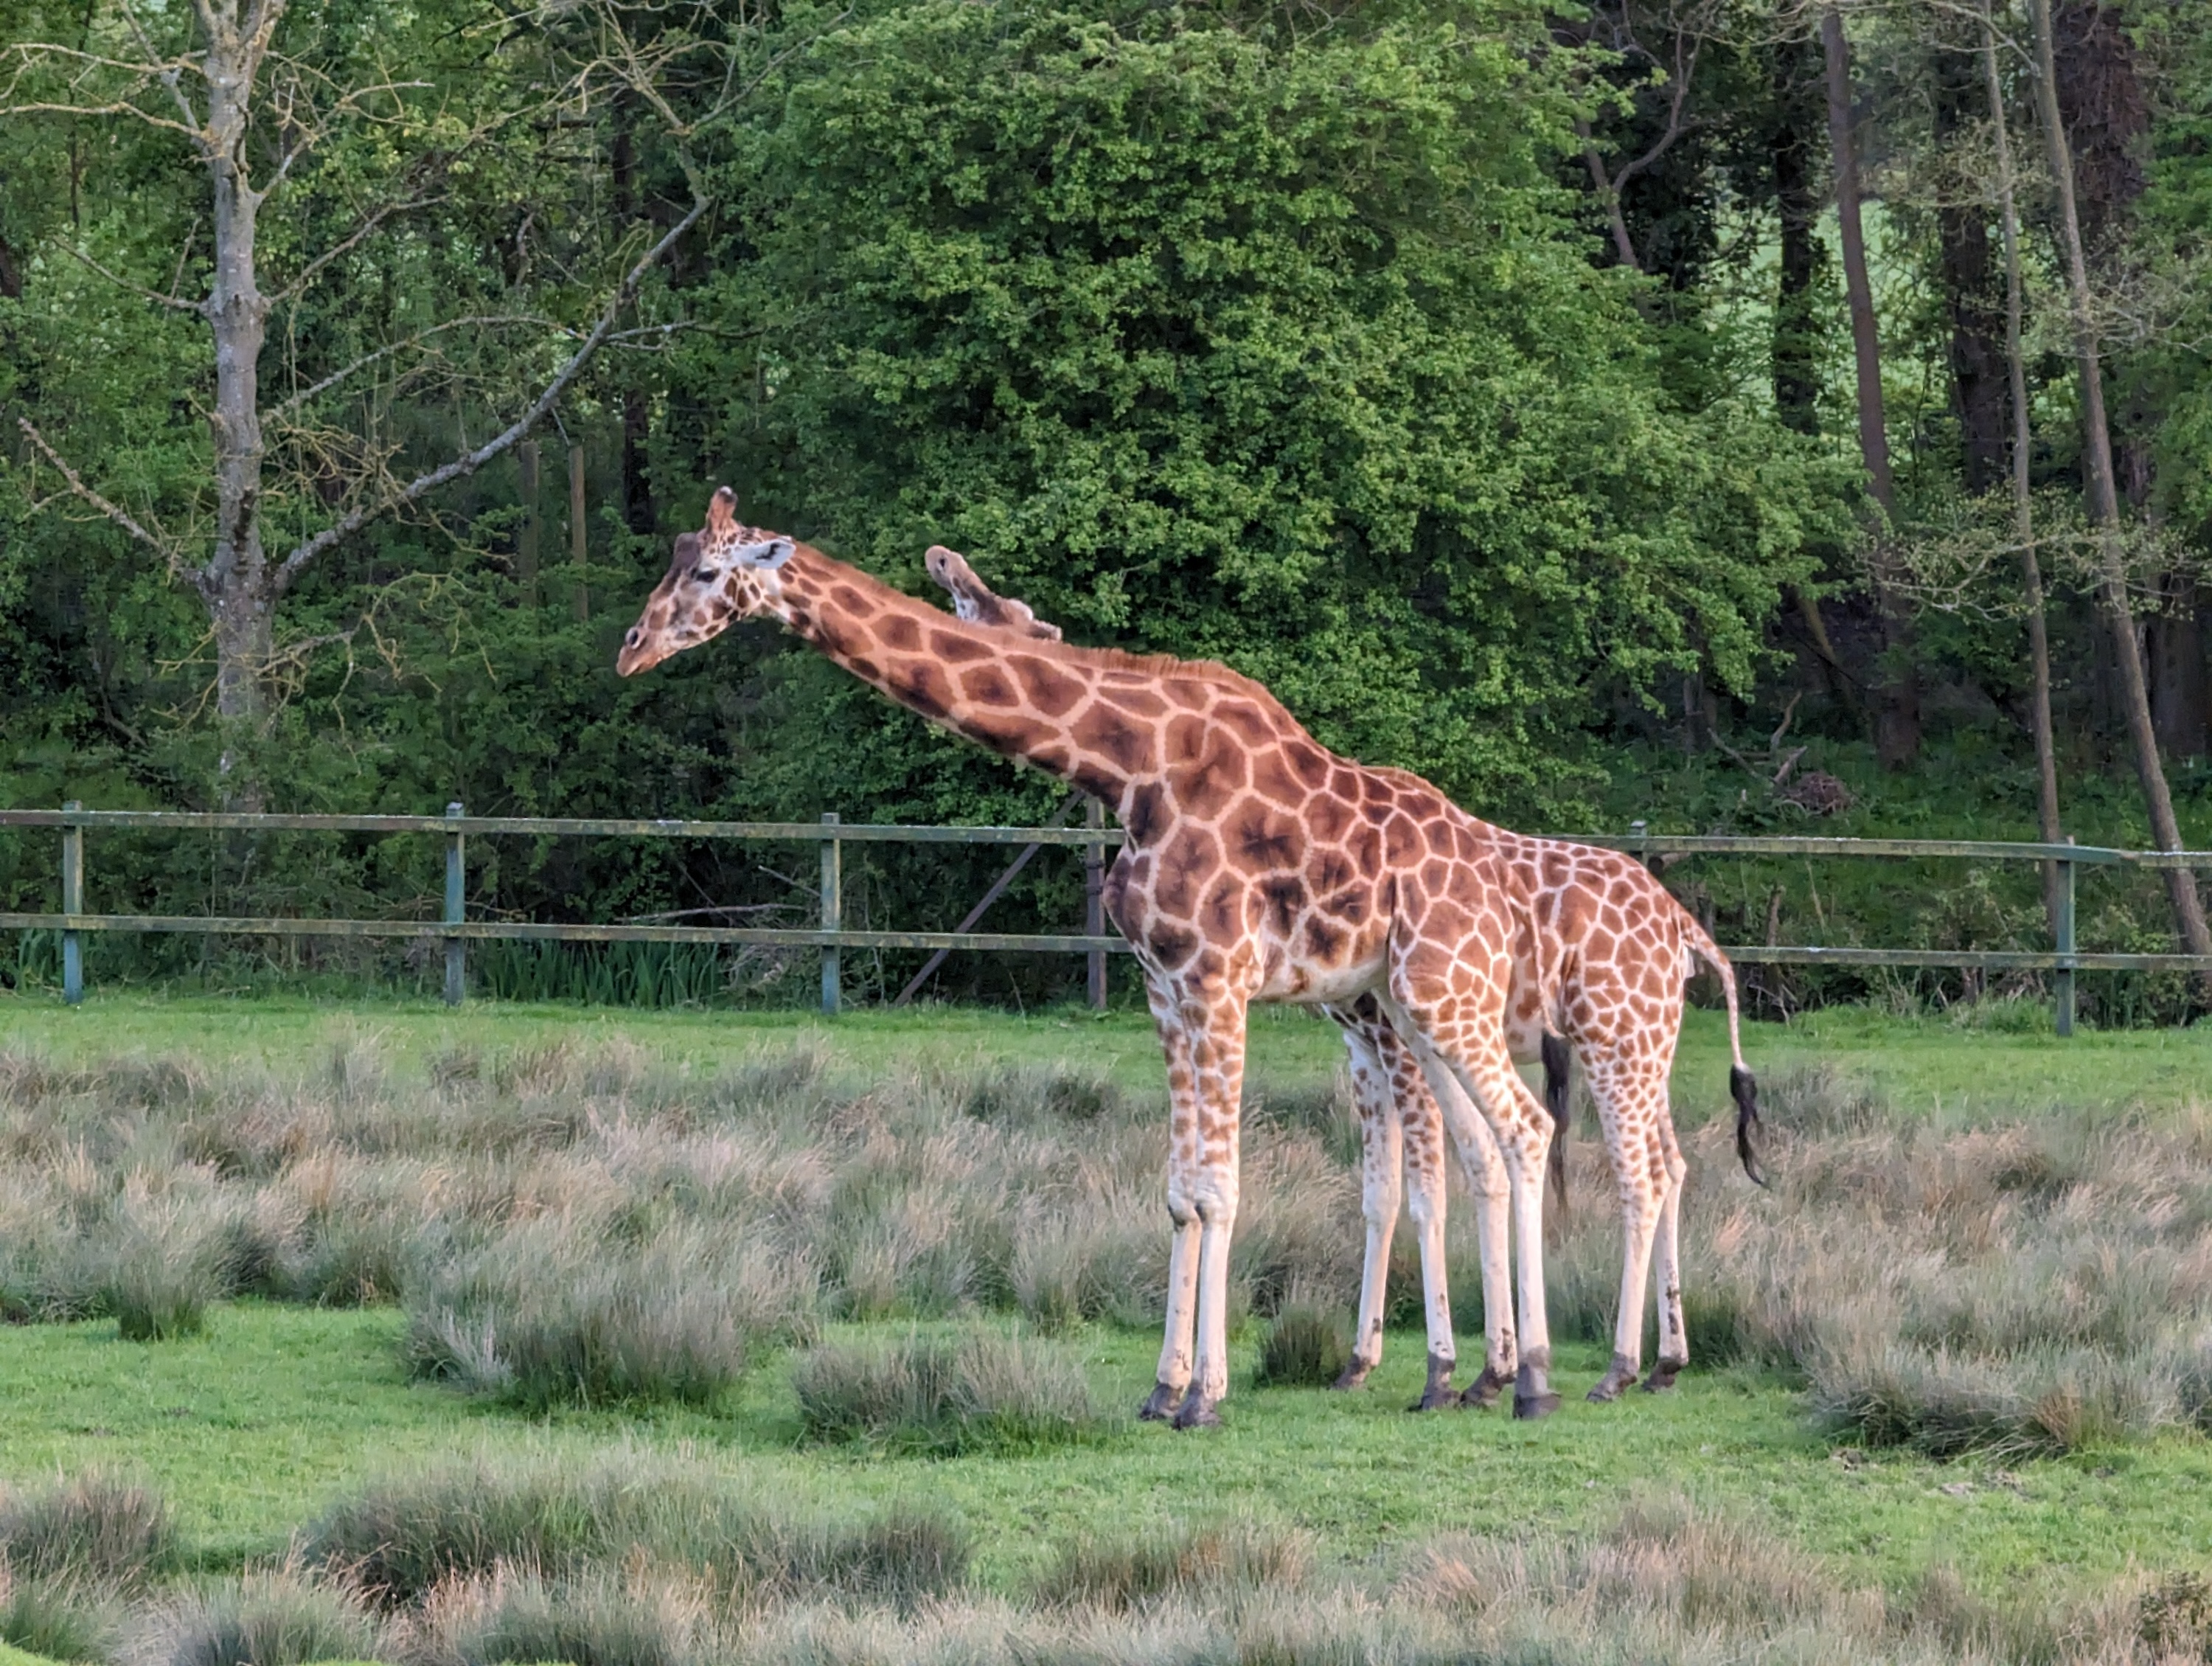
<point x="2063" y="958"/>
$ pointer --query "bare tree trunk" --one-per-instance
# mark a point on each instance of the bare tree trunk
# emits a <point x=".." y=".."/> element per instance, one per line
<point x="1978" y="373"/>
<point x="2105" y="506"/>
<point x="1795" y="351"/>
<point x="236" y="581"/>
<point x="2023" y="501"/>
<point x="1897" y="720"/>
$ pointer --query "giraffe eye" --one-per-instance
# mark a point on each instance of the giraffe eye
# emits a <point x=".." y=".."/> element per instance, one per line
<point x="702" y="574"/>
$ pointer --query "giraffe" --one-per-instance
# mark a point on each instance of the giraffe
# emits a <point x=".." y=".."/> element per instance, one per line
<point x="1256" y="865"/>
<point x="1601" y="969"/>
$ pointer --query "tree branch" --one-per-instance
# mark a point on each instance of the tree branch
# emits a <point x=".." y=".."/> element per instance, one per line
<point x="352" y="240"/>
<point x="139" y="289"/>
<point x="115" y="511"/>
<point x="1609" y="192"/>
<point x="278" y="411"/>
<point x="165" y="68"/>
<point x="298" y="560"/>
<point x="1675" y="126"/>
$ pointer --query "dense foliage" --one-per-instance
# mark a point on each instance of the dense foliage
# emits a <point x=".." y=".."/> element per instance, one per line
<point x="1305" y="340"/>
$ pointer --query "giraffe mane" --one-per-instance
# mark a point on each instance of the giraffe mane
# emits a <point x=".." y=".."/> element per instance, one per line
<point x="964" y="583"/>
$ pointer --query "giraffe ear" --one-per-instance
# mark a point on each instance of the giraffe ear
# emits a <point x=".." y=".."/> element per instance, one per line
<point x="769" y="555"/>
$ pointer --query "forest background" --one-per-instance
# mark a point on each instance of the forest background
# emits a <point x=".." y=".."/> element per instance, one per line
<point x="1707" y="412"/>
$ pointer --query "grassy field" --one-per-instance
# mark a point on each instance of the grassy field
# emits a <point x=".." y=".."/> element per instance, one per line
<point x="1919" y="1066"/>
<point x="1951" y="1375"/>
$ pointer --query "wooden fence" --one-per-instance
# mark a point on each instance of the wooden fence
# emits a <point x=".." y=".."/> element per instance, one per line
<point x="456" y="930"/>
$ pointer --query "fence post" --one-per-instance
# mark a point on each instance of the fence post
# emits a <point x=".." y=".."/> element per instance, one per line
<point x="2063" y="981"/>
<point x="1094" y="903"/>
<point x="456" y="949"/>
<point x="833" y="911"/>
<point x="72" y="903"/>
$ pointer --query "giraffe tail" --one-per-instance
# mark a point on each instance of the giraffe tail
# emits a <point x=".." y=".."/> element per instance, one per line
<point x="1556" y="1062"/>
<point x="1743" y="1086"/>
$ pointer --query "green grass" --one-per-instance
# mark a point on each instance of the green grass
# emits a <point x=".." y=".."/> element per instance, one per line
<point x="251" y="1428"/>
<point x="1924" y="1065"/>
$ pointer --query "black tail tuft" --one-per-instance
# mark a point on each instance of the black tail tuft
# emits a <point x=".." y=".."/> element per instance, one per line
<point x="1555" y="1062"/>
<point x="1743" y="1087"/>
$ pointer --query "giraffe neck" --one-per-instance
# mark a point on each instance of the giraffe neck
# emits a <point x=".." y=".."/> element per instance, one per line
<point x="1021" y="698"/>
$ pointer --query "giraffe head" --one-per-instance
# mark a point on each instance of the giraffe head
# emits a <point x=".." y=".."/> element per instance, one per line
<point x="724" y="572"/>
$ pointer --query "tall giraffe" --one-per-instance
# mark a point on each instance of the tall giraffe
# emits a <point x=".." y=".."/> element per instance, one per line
<point x="1601" y="969"/>
<point x="1256" y="865"/>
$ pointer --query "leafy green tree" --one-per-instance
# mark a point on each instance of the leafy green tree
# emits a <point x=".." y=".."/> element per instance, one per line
<point x="1213" y="341"/>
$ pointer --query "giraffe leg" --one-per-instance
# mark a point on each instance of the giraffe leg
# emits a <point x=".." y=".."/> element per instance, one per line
<point x="1425" y="1164"/>
<point x="1483" y="1168"/>
<point x="1175" y="1370"/>
<point x="1215" y="1028"/>
<point x="1674" y="1334"/>
<point x="1381" y="1145"/>
<point x="1468" y="1051"/>
<point x="1625" y="1097"/>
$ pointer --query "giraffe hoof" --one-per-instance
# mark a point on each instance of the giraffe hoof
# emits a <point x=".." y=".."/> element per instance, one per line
<point x="1530" y="1407"/>
<point x="1160" y="1405"/>
<point x="1621" y="1374"/>
<point x="1355" y="1374"/>
<point x="1661" y="1380"/>
<point x="1482" y="1394"/>
<point x="1197" y="1413"/>
<point x="1438" y="1396"/>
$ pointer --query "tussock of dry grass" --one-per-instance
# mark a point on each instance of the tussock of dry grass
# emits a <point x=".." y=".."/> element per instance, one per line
<point x="2011" y="1288"/>
<point x="404" y="1539"/>
<point x="94" y="1529"/>
<point x="569" y="1224"/>
<point x="1306" y="1346"/>
<point x="640" y="1561"/>
<point x="947" y="1394"/>
<point x="278" y="1616"/>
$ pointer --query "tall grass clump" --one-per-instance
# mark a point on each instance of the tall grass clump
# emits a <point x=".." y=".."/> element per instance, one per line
<point x="160" y="1291"/>
<point x="540" y="1320"/>
<point x="1305" y="1345"/>
<point x="274" y="1617"/>
<point x="95" y="1530"/>
<point x="944" y="1395"/>
<point x="57" y="1619"/>
<point x="1125" y="1571"/>
<point x="401" y="1539"/>
<point x="517" y="1615"/>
